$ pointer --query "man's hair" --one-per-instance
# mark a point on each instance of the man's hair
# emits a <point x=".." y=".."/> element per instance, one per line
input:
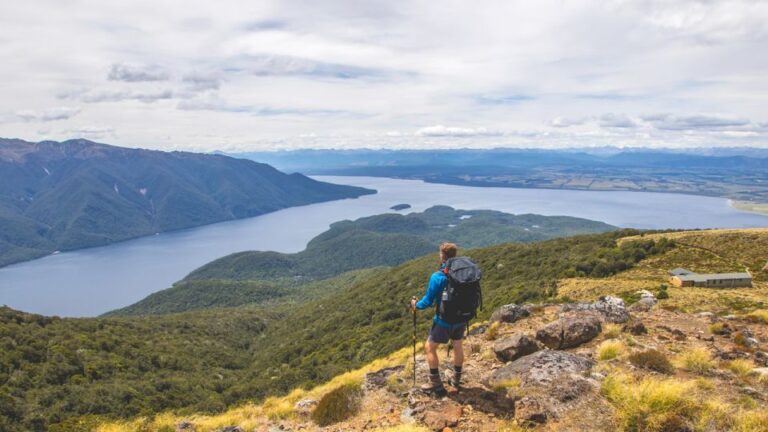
<point x="448" y="249"/>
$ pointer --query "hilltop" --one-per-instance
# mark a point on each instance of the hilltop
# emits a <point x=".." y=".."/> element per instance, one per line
<point x="656" y="359"/>
<point x="381" y="240"/>
<point x="75" y="194"/>
<point x="149" y="367"/>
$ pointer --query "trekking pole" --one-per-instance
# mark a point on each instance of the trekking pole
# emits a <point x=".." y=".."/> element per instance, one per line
<point x="413" y="311"/>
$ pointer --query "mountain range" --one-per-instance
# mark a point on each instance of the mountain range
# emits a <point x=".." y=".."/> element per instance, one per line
<point x="75" y="194"/>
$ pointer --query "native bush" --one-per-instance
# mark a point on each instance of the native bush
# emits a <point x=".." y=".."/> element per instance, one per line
<point x="338" y="404"/>
<point x="653" y="360"/>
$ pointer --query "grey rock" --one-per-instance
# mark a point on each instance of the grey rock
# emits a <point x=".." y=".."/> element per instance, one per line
<point x="608" y="308"/>
<point x="231" y="429"/>
<point x="510" y="313"/>
<point x="541" y="368"/>
<point x="569" y="332"/>
<point x="643" y="305"/>
<point x="378" y="379"/>
<point x="513" y="347"/>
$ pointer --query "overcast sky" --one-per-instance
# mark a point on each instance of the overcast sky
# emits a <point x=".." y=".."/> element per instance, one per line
<point x="252" y="75"/>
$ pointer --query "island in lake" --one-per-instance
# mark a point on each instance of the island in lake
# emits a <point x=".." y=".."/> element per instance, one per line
<point x="399" y="207"/>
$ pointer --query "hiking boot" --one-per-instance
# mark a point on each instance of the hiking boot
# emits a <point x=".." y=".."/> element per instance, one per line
<point x="435" y="385"/>
<point x="456" y="379"/>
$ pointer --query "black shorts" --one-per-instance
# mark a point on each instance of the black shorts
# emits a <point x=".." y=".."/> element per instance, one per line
<point x="439" y="334"/>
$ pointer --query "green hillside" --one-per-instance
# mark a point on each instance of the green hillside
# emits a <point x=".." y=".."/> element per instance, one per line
<point x="75" y="194"/>
<point x="390" y="239"/>
<point x="381" y="240"/>
<point x="52" y="369"/>
<point x="215" y="293"/>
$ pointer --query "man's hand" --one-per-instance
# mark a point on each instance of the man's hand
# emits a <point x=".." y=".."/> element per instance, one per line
<point x="413" y="304"/>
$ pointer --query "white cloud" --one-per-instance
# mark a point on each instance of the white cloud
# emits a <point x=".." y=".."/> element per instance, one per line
<point x="133" y="73"/>
<point x="51" y="114"/>
<point x="582" y="72"/>
<point x="444" y="131"/>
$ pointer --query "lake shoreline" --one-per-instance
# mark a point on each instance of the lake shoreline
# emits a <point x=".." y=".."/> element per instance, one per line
<point x="749" y="206"/>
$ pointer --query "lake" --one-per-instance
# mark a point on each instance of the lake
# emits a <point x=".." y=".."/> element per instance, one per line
<point x="92" y="281"/>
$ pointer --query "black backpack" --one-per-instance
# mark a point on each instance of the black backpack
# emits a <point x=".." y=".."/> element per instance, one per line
<point x="461" y="296"/>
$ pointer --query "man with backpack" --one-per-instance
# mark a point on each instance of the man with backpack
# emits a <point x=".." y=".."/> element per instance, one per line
<point x="455" y="291"/>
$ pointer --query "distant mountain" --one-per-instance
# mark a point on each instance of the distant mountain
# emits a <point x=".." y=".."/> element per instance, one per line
<point x="75" y="194"/>
<point x="738" y="173"/>
<point x="382" y="240"/>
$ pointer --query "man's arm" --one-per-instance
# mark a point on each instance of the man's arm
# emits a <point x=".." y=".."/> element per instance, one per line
<point x="435" y="284"/>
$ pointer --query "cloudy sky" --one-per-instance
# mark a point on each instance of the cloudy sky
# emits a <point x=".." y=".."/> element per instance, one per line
<point x="253" y="75"/>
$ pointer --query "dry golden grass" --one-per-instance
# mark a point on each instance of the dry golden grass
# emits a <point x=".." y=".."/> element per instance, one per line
<point x="610" y="349"/>
<point x="758" y="316"/>
<point x="662" y="404"/>
<point x="493" y="330"/>
<point x="611" y="330"/>
<point x="249" y="416"/>
<point x="741" y="367"/>
<point x="697" y="360"/>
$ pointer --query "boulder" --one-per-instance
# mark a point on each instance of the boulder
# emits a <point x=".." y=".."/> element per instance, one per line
<point x="510" y="313"/>
<point x="231" y="429"/>
<point x="608" y="308"/>
<point x="643" y="305"/>
<point x="529" y="410"/>
<point x="513" y="347"/>
<point x="378" y="379"/>
<point x="569" y="332"/>
<point x="541" y="368"/>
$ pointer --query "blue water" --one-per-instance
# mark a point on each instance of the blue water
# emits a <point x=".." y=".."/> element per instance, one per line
<point x="89" y="282"/>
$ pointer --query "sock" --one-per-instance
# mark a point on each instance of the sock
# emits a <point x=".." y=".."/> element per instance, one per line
<point x="433" y="371"/>
<point x="457" y="369"/>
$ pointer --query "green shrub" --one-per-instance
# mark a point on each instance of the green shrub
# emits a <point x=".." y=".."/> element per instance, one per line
<point x="662" y="294"/>
<point x="339" y="404"/>
<point x="652" y="359"/>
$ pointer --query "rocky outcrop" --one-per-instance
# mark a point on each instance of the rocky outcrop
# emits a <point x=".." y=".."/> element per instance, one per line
<point x="569" y="332"/>
<point x="608" y="308"/>
<point x="513" y="347"/>
<point x="510" y="313"/>
<point x="541" y="368"/>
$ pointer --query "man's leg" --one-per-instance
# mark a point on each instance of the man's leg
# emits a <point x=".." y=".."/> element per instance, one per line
<point x="431" y="349"/>
<point x="458" y="361"/>
<point x="436" y="336"/>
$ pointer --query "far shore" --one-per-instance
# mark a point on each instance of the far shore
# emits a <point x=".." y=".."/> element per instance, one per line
<point x="761" y="208"/>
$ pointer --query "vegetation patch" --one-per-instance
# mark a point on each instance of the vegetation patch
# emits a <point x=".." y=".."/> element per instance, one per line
<point x="740" y="367"/>
<point x="610" y="349"/>
<point x="338" y="404"/>
<point x="758" y="316"/>
<point x="652" y="360"/>
<point x="611" y="330"/>
<point x="696" y="360"/>
<point x="651" y="404"/>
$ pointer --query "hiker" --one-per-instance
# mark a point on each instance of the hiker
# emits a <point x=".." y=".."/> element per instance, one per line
<point x="454" y="289"/>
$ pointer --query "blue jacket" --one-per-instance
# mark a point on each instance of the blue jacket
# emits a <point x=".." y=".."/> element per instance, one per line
<point x="434" y="295"/>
